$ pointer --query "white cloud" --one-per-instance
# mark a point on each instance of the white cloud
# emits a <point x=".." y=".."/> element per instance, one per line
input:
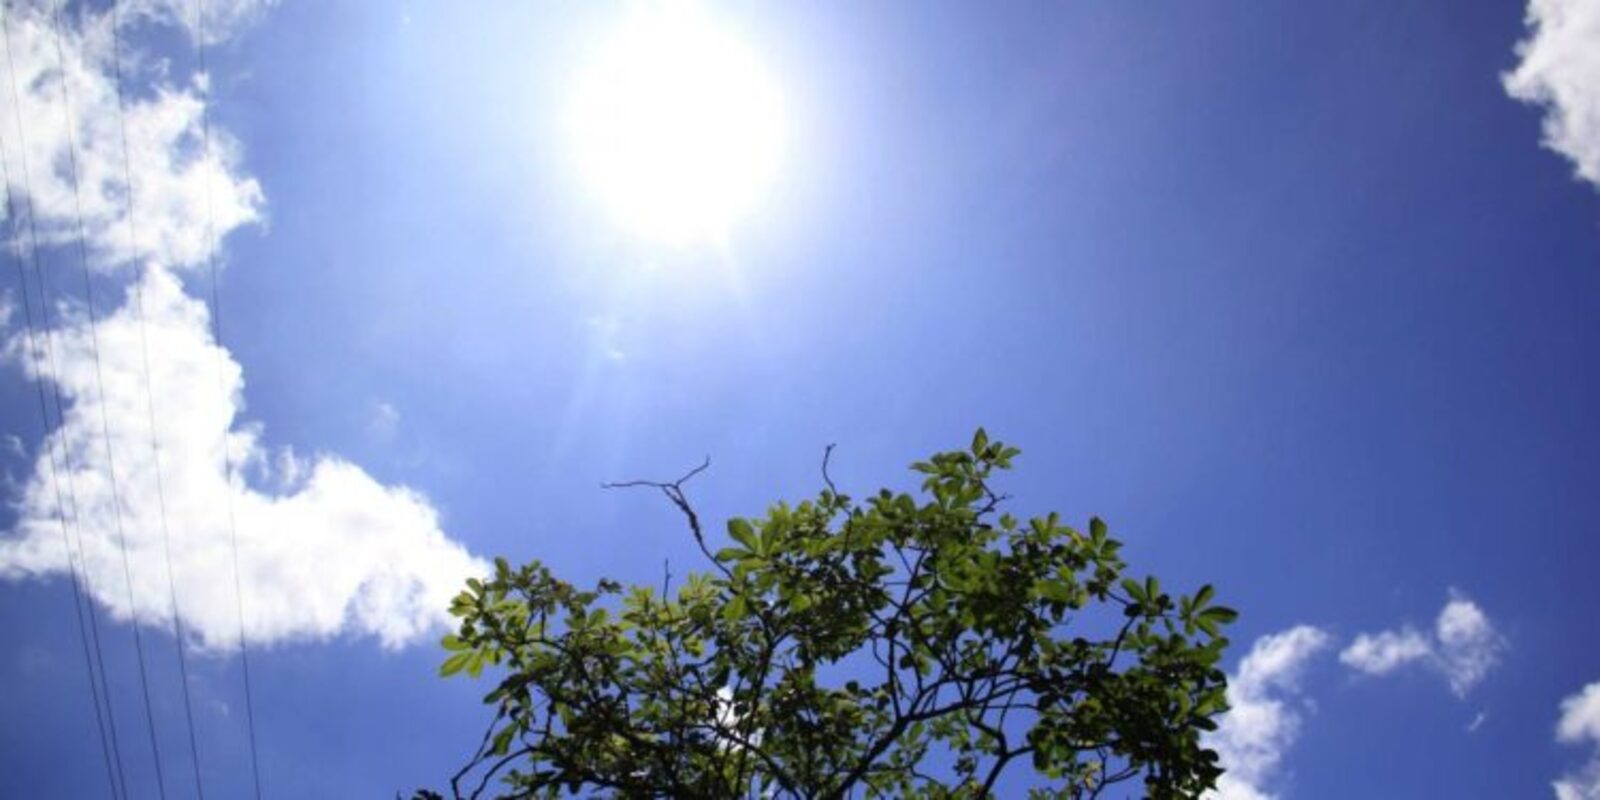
<point x="334" y="552"/>
<point x="1580" y="716"/>
<point x="1469" y="646"/>
<point x="323" y="548"/>
<point x="1580" y="723"/>
<point x="1560" y="70"/>
<point x="1464" y="647"/>
<point x="384" y="421"/>
<point x="174" y="175"/>
<point x="729" y="718"/>
<point x="223" y="18"/>
<point x="1378" y="654"/>
<point x="1262" y="722"/>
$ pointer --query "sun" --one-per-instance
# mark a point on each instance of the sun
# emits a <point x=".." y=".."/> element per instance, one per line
<point x="676" y="126"/>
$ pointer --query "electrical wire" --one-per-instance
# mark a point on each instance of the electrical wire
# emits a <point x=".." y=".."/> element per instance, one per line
<point x="149" y="393"/>
<point x="108" y="745"/>
<point x="105" y="424"/>
<point x="216" y="335"/>
<point x="5" y="32"/>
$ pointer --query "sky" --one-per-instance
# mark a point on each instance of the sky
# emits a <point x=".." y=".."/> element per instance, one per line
<point x="1299" y="297"/>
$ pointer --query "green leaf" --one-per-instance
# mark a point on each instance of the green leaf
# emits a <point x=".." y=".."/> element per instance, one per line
<point x="741" y="531"/>
<point x="735" y="608"/>
<point x="502" y="740"/>
<point x="1133" y="589"/>
<point x="454" y="664"/>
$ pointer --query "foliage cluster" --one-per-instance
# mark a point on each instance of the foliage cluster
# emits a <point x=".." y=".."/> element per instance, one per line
<point x="901" y="646"/>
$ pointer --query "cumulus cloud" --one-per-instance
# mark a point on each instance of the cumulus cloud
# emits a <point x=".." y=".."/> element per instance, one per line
<point x="1580" y="724"/>
<point x="1469" y="646"/>
<point x="1381" y="653"/>
<point x="323" y="548"/>
<point x="1263" y="720"/>
<point x="177" y="180"/>
<point x="1464" y="647"/>
<point x="1560" y="71"/>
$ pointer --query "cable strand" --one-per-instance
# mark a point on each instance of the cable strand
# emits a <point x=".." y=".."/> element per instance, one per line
<point x="227" y="455"/>
<point x="108" y="745"/>
<point x="122" y="539"/>
<point x="149" y="392"/>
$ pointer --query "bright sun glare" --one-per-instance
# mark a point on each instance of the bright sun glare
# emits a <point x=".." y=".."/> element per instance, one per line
<point x="676" y="126"/>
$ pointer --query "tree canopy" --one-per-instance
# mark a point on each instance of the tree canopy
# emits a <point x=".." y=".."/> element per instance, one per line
<point x="900" y="646"/>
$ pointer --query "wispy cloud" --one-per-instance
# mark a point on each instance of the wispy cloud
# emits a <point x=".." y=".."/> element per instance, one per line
<point x="1382" y="653"/>
<point x="223" y="18"/>
<point x="384" y="421"/>
<point x="1580" y="724"/>
<point x="174" y="175"/>
<point x="1464" y="647"/>
<point x="1560" y="71"/>
<point x="1263" y="719"/>
<point x="1469" y="645"/>
<point x="324" y="549"/>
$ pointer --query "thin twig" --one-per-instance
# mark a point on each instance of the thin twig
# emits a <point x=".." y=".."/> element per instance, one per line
<point x="674" y="492"/>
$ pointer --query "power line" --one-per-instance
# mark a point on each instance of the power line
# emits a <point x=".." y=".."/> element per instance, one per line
<point x="107" y="747"/>
<point x="150" y="408"/>
<point x="216" y="335"/>
<point x="88" y="290"/>
<point x="149" y="393"/>
<point x="116" y="502"/>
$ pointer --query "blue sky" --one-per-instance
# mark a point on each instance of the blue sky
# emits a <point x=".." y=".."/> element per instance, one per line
<point x="1299" y="298"/>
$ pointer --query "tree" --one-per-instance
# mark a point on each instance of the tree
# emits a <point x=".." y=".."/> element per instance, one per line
<point x="894" y="647"/>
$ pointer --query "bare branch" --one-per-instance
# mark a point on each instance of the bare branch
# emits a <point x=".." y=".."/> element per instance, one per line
<point x="674" y="492"/>
<point x="677" y="484"/>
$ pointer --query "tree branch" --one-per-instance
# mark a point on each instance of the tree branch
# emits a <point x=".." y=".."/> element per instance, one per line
<point x="674" y="492"/>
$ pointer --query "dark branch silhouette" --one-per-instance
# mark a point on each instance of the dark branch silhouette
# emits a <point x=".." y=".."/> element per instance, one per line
<point x="837" y="644"/>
